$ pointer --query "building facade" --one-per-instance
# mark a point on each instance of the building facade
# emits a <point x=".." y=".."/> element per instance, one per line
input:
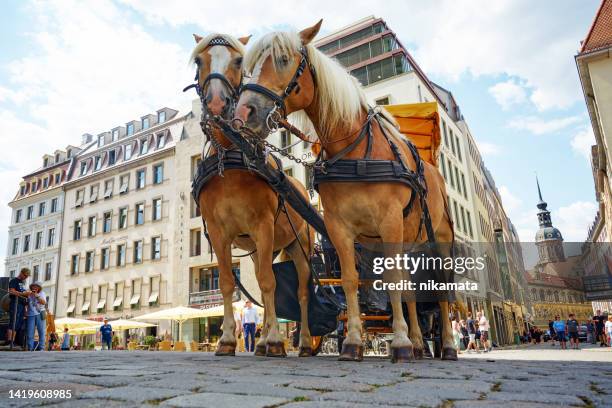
<point x="35" y="232"/>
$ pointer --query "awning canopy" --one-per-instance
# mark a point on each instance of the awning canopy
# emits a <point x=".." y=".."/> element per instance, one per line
<point x="101" y="303"/>
<point x="153" y="297"/>
<point x="70" y="308"/>
<point x="85" y="306"/>
<point x="135" y="299"/>
<point x="118" y="301"/>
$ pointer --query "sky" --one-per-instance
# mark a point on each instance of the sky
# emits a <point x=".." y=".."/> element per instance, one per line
<point x="74" y="67"/>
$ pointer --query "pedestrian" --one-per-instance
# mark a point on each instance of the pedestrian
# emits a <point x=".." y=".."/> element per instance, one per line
<point x="483" y="326"/>
<point x="457" y="334"/>
<point x="52" y="340"/>
<point x="559" y="327"/>
<point x="608" y="327"/>
<point x="464" y="334"/>
<point x="551" y="331"/>
<point x="572" y="331"/>
<point x="590" y="329"/>
<point x="249" y="325"/>
<point x="36" y="312"/>
<point x="19" y="299"/>
<point x="65" y="340"/>
<point x="471" y="329"/>
<point x="106" y="332"/>
<point x="600" y="320"/>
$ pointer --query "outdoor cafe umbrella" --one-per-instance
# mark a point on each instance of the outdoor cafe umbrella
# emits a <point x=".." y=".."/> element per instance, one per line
<point x="123" y="324"/>
<point x="73" y="323"/>
<point x="178" y="314"/>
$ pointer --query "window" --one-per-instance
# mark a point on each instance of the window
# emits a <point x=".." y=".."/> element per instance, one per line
<point x="139" y="220"/>
<point x="452" y="140"/>
<point x="41" y="208"/>
<point x="105" y="258"/>
<point x="51" y="237"/>
<point x="112" y="157"/>
<point x="15" y="246"/>
<point x="145" y="123"/>
<point x="161" y="116"/>
<point x="444" y="133"/>
<point x="58" y="178"/>
<point x="196" y="242"/>
<point x="124" y="183"/>
<point x="23" y="190"/>
<point x="26" y="243"/>
<point x="138" y="247"/>
<point x="108" y="221"/>
<point x="286" y="141"/>
<point x="130" y="129"/>
<point x="452" y="175"/>
<point x="18" y="214"/>
<point x="74" y="265"/>
<point x="158" y="174"/>
<point x="144" y="146"/>
<point x="46" y="182"/>
<point x="456" y="215"/>
<point x="463" y="183"/>
<point x="45" y="162"/>
<point x="121" y="255"/>
<point x="458" y="180"/>
<point x="156" y="248"/>
<point x="48" y="271"/>
<point x="161" y="140"/>
<point x="92" y="226"/>
<point x="39" y="240"/>
<point x="382" y="101"/>
<point x="469" y="220"/>
<point x="123" y="218"/>
<point x="80" y="198"/>
<point x="154" y="291"/>
<point x="77" y="230"/>
<point x="463" y="223"/>
<point x="443" y="165"/>
<point x="135" y="298"/>
<point x="100" y="140"/>
<point x="157" y="209"/>
<point x="458" y="148"/>
<point x="12" y="274"/>
<point x="54" y="205"/>
<point x="30" y="213"/>
<point x="140" y="179"/>
<point x="108" y="188"/>
<point x="289" y="172"/>
<point x="35" y="273"/>
<point x="127" y="155"/>
<point x="89" y="261"/>
<point x="115" y="135"/>
<point x="93" y="193"/>
<point x="97" y="163"/>
<point x="83" y="168"/>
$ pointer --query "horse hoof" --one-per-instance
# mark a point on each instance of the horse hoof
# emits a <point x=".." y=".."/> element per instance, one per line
<point x="305" y="352"/>
<point x="260" y="350"/>
<point x="418" y="353"/>
<point x="226" y="349"/>
<point x="402" y="354"/>
<point x="275" y="350"/>
<point x="351" y="352"/>
<point x="449" y="353"/>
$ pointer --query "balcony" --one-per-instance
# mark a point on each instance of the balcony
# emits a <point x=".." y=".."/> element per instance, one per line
<point x="210" y="297"/>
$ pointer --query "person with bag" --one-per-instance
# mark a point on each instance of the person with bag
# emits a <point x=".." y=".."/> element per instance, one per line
<point x="36" y="316"/>
<point x="18" y="300"/>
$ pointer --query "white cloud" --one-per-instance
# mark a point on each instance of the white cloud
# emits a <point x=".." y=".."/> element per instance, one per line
<point x="508" y="94"/>
<point x="540" y="126"/>
<point x="489" y="149"/>
<point x="574" y="220"/>
<point x="582" y="142"/>
<point x="520" y="38"/>
<point x="510" y="201"/>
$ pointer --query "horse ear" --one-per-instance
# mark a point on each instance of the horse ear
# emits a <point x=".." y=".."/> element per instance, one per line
<point x="197" y="38"/>
<point x="308" y="34"/>
<point x="245" y="40"/>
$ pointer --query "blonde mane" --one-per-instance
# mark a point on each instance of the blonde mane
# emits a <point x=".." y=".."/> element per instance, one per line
<point x="339" y="94"/>
<point x="204" y="42"/>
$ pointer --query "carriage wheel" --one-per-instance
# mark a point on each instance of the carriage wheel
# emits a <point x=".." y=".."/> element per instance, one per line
<point x="316" y="345"/>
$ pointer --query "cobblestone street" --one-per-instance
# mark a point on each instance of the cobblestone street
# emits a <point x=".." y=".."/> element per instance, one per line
<point x="532" y="377"/>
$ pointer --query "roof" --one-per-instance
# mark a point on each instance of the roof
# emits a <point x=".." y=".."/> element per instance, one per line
<point x="600" y="33"/>
<point x="553" y="280"/>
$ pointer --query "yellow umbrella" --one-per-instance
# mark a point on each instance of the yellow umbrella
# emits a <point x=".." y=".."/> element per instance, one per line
<point x="73" y="323"/>
<point x="83" y="330"/>
<point x="178" y="314"/>
<point x="122" y="324"/>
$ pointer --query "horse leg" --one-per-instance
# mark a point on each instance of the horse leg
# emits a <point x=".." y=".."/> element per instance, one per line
<point x="303" y="268"/>
<point x="260" y="346"/>
<point x="415" y="329"/>
<point x="227" y="343"/>
<point x="264" y="242"/>
<point x="449" y="352"/>
<point x="344" y="242"/>
<point x="392" y="235"/>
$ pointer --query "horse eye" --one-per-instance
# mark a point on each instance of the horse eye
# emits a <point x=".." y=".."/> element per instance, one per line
<point x="285" y="59"/>
<point x="238" y="61"/>
<point x="197" y="61"/>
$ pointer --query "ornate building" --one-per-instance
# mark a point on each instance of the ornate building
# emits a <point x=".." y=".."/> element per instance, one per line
<point x="555" y="282"/>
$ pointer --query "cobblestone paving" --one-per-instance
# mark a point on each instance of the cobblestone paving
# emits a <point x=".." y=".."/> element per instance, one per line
<point x="532" y="377"/>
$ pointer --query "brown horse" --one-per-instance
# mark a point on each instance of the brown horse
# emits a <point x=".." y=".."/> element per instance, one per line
<point x="241" y="209"/>
<point x="289" y="75"/>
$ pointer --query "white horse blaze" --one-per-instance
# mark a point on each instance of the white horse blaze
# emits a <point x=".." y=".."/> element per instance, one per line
<point x="220" y="58"/>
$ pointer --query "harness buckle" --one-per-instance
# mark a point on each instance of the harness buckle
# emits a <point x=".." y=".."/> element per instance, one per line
<point x="362" y="168"/>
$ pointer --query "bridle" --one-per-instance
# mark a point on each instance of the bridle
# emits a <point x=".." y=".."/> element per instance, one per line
<point x="201" y="90"/>
<point x="279" y="111"/>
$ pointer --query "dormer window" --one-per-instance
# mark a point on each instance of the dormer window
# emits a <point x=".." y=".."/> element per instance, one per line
<point x="69" y="153"/>
<point x="144" y="146"/>
<point x="112" y="157"/>
<point x="23" y="190"/>
<point x="46" y="182"/>
<point x="145" y="123"/>
<point x="57" y="158"/>
<point x="161" y="116"/>
<point x="58" y="178"/>
<point x="115" y="135"/>
<point x="100" y="140"/>
<point x="130" y="129"/>
<point x="83" y="168"/>
<point x="45" y="162"/>
<point x="98" y="163"/>
<point x="161" y="141"/>
<point x="128" y="152"/>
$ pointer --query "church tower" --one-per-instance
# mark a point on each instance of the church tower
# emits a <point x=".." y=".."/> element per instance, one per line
<point x="548" y="239"/>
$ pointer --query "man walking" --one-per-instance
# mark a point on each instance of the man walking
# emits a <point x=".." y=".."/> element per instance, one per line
<point x="471" y="328"/>
<point x="551" y="330"/>
<point x="559" y="326"/>
<point x="106" y="330"/>
<point x="483" y="326"/>
<point x="19" y="299"/>
<point x="572" y="331"/>
<point x="249" y="324"/>
<point x="36" y="307"/>
<point x="599" y="320"/>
